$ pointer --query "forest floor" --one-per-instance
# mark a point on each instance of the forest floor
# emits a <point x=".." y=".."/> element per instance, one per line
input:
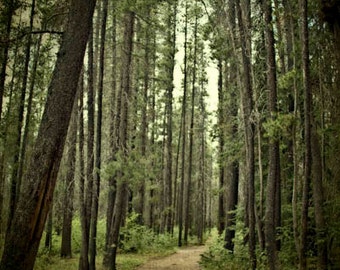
<point x="184" y="259"/>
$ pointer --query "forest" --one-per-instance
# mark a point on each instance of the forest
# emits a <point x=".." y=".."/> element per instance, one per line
<point x="134" y="128"/>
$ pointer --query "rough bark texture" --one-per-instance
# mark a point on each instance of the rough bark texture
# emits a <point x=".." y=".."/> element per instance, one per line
<point x="247" y="104"/>
<point x="113" y="134"/>
<point x="274" y="157"/>
<point x="22" y="239"/>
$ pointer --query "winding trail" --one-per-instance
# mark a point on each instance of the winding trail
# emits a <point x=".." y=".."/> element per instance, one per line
<point x="184" y="259"/>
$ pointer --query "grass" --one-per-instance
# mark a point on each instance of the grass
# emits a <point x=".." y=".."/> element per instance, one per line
<point x="144" y="243"/>
<point x="53" y="262"/>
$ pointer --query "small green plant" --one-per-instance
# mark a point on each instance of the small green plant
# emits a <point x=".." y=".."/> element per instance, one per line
<point x="139" y="239"/>
<point x="217" y="257"/>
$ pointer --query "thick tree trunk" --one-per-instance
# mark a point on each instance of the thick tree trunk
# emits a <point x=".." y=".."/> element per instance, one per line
<point x="113" y="134"/>
<point x="247" y="104"/>
<point x="23" y="237"/>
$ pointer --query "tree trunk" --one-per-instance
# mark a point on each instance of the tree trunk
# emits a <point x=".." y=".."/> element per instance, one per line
<point x="191" y="136"/>
<point x="221" y="123"/>
<point x="23" y="237"/>
<point x="49" y="227"/>
<point x="96" y="189"/>
<point x="317" y="179"/>
<point x="247" y="105"/>
<point x="273" y="182"/>
<point x="307" y="136"/>
<point x="88" y="190"/>
<point x="183" y="131"/>
<point x="113" y="135"/>
<point x="7" y="13"/>
<point x="170" y="66"/>
<point x="122" y="184"/>
<point x="66" y="239"/>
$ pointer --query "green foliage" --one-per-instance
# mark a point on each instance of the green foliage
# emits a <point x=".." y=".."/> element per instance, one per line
<point x="139" y="239"/>
<point x="217" y="257"/>
<point x="279" y="126"/>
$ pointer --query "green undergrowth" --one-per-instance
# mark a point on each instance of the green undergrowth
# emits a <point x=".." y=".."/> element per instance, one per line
<point x="138" y="245"/>
<point x="217" y="257"/>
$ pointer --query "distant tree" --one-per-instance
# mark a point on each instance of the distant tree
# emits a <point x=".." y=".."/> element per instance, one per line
<point x="69" y="183"/>
<point x="181" y="216"/>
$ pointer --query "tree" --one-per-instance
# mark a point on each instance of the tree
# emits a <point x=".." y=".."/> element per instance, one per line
<point x="191" y="130"/>
<point x="183" y="131"/>
<point x="170" y="65"/>
<point x="273" y="182"/>
<point x="123" y="149"/>
<point x="23" y="237"/>
<point x="98" y="156"/>
<point x="66" y="250"/>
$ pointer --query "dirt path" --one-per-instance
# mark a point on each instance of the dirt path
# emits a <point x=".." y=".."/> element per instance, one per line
<point x="183" y="259"/>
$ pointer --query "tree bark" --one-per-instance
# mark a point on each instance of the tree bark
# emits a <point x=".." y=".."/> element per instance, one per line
<point x="318" y="198"/>
<point x="23" y="237"/>
<point x="307" y="135"/>
<point x="113" y="134"/>
<point x="191" y="135"/>
<point x="7" y="14"/>
<point x="66" y="250"/>
<point x="247" y="105"/>
<point x="273" y="182"/>
<point x="123" y="183"/>
<point x="183" y="131"/>
<point x="95" y="197"/>
<point x="221" y="123"/>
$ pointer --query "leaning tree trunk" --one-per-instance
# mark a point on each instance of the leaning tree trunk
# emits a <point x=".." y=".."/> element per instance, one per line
<point x="23" y="237"/>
